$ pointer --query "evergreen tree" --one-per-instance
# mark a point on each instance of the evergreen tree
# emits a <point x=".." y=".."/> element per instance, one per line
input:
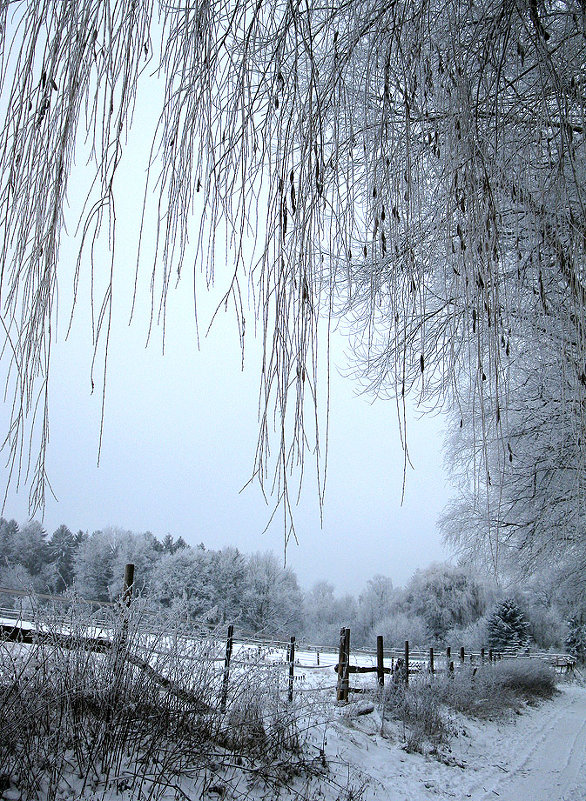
<point x="31" y="549"/>
<point x="169" y="545"/>
<point x="507" y="626"/>
<point x="181" y="545"/>
<point x="62" y="547"/>
<point x="8" y="532"/>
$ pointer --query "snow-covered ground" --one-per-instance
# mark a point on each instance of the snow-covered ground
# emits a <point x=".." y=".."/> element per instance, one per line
<point x="538" y="755"/>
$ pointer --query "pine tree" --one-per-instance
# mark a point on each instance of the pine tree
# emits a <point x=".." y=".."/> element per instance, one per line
<point x="507" y="627"/>
<point x="62" y="547"/>
<point x="8" y="533"/>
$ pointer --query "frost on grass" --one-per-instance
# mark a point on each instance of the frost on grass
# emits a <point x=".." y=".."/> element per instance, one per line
<point x="142" y="717"/>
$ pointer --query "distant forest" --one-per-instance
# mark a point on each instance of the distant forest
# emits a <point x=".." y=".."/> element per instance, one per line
<point x="440" y="604"/>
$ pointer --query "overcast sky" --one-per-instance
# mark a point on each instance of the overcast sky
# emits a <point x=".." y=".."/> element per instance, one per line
<point x="179" y="443"/>
<point x="180" y="433"/>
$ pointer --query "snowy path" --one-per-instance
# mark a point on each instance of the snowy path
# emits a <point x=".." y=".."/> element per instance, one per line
<point x="538" y="756"/>
<point x="548" y="762"/>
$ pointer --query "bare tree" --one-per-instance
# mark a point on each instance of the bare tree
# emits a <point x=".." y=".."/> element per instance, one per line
<point x="421" y="165"/>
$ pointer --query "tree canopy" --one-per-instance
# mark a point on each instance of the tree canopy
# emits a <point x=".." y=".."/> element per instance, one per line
<point x="414" y="165"/>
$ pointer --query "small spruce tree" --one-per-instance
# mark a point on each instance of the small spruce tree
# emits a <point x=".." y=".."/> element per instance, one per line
<point x="507" y="627"/>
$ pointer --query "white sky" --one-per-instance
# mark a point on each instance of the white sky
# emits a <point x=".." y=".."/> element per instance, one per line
<point x="179" y="442"/>
<point x="180" y="435"/>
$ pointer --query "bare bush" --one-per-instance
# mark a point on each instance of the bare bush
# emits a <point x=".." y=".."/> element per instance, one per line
<point x="486" y="692"/>
<point x="134" y="704"/>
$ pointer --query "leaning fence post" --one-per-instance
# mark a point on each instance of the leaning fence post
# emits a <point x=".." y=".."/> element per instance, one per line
<point x="227" y="658"/>
<point x="406" y="661"/>
<point x="431" y="667"/>
<point x="120" y="636"/>
<point x="127" y="587"/>
<point x="291" y="667"/>
<point x="380" y="663"/>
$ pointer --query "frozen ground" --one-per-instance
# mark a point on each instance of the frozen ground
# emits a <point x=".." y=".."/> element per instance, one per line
<point x="538" y="755"/>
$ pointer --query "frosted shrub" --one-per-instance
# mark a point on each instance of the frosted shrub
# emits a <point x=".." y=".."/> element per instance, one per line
<point x="528" y="678"/>
<point x="141" y="714"/>
<point x="491" y="690"/>
<point x="418" y="708"/>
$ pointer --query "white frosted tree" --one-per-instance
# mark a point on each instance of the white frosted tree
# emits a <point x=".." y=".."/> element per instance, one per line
<point x="445" y="597"/>
<point x="183" y="581"/>
<point x="228" y="576"/>
<point x="324" y="614"/>
<point x="374" y="604"/>
<point x="272" y="601"/>
<point x="94" y="566"/>
<point x="138" y="549"/>
<point x="8" y="533"/>
<point x="61" y="550"/>
<point x="419" y="166"/>
<point x="520" y="489"/>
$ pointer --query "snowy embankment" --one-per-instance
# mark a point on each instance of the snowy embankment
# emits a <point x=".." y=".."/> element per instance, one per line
<point x="537" y="755"/>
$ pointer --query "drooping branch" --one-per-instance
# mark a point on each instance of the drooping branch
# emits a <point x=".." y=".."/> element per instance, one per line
<point x="414" y="165"/>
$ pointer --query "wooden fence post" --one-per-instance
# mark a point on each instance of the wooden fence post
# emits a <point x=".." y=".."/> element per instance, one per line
<point x="344" y="665"/>
<point x="291" y="668"/>
<point x="128" y="584"/>
<point x="431" y="667"/>
<point x="380" y="663"/>
<point x="490" y="655"/>
<point x="462" y="655"/>
<point x="120" y="637"/>
<point x="227" y="658"/>
<point x="339" y="694"/>
<point x="346" y="669"/>
<point x="406" y="662"/>
<point x="448" y="657"/>
<point x="482" y="654"/>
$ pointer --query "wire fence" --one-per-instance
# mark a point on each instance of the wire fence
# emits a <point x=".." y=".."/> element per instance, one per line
<point x="40" y="617"/>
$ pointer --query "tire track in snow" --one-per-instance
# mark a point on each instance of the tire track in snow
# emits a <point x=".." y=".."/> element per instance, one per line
<point x="553" y="768"/>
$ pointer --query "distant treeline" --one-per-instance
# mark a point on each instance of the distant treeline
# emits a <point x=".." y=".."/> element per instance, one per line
<point x="442" y="603"/>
